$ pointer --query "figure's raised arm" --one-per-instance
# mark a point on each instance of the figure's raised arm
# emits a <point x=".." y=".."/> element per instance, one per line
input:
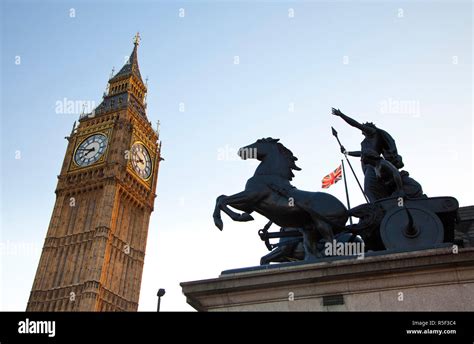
<point x="352" y="122"/>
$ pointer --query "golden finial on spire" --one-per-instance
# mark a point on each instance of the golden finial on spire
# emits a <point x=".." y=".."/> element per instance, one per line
<point x="136" y="39"/>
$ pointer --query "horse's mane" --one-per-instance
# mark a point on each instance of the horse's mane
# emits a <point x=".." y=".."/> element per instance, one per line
<point x="286" y="153"/>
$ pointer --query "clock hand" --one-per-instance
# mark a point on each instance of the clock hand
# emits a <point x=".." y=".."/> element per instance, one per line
<point x="85" y="149"/>
<point x="137" y="159"/>
<point x="88" y="151"/>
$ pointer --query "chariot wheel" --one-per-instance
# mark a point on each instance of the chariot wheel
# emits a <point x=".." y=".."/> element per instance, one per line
<point x="410" y="228"/>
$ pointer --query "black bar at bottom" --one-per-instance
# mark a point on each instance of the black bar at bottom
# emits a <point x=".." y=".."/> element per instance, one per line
<point x="168" y="327"/>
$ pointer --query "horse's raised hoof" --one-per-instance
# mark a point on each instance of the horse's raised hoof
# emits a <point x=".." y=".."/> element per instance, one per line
<point x="244" y="217"/>
<point x="218" y="222"/>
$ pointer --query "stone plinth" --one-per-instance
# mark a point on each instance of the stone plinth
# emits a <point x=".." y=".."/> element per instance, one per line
<point x="427" y="280"/>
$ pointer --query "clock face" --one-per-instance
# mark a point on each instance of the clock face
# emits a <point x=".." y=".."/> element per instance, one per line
<point x="90" y="150"/>
<point x="141" y="160"/>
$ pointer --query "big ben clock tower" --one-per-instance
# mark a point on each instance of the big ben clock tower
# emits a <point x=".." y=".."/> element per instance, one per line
<point x="93" y="254"/>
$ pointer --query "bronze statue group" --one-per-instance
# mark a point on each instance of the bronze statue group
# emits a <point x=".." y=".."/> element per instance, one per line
<point x="308" y="220"/>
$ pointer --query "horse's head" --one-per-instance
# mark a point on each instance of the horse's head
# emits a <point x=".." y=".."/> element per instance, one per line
<point x="269" y="147"/>
<point x="257" y="150"/>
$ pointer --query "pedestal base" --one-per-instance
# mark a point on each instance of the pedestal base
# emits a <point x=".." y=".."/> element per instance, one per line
<point x="428" y="280"/>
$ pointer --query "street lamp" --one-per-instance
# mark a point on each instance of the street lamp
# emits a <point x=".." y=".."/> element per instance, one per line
<point x="161" y="292"/>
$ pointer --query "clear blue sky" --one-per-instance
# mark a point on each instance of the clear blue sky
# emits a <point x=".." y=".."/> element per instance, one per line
<point x="365" y="57"/>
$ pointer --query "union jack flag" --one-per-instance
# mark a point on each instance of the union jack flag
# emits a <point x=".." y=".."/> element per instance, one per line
<point x="332" y="178"/>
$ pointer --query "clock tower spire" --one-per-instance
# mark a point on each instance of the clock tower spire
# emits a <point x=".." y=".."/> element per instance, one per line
<point x="93" y="254"/>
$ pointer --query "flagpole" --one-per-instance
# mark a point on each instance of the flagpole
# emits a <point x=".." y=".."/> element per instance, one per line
<point x="347" y="192"/>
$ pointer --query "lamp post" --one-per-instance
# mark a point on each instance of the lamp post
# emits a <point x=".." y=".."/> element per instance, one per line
<point x="161" y="292"/>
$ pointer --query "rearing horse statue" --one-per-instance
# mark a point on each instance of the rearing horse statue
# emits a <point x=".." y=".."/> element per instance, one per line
<point x="269" y="193"/>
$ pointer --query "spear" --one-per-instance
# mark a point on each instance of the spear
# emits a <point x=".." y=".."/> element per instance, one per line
<point x="347" y="191"/>
<point x="334" y="132"/>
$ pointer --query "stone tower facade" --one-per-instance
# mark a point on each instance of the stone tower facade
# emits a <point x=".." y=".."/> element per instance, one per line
<point x="94" y="251"/>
